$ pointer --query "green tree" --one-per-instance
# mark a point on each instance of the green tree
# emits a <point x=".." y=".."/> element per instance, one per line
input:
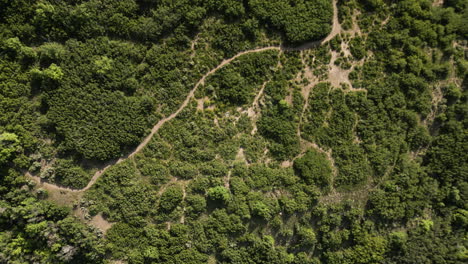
<point x="314" y="168"/>
<point x="9" y="144"/>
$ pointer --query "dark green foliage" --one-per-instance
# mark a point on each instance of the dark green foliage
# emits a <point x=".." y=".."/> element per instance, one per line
<point x="183" y="170"/>
<point x="277" y="125"/>
<point x="300" y="20"/>
<point x="357" y="48"/>
<point x="236" y="83"/>
<point x="171" y="198"/>
<point x="318" y="107"/>
<point x="314" y="168"/>
<point x="121" y="196"/>
<point x="82" y="130"/>
<point x="157" y="149"/>
<point x="69" y="174"/>
<point x="157" y="171"/>
<point x="448" y="151"/>
<point x="196" y="204"/>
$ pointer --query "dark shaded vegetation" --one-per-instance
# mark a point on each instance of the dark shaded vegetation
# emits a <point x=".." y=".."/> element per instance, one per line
<point x="300" y="20"/>
<point x="313" y="168"/>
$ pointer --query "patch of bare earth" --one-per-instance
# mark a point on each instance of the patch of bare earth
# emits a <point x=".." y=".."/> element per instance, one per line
<point x="240" y="156"/>
<point x="100" y="222"/>
<point x="254" y="111"/>
<point x="438" y="3"/>
<point x="286" y="164"/>
<point x="337" y="75"/>
<point x="227" y="180"/>
<point x="118" y="262"/>
<point x="192" y="46"/>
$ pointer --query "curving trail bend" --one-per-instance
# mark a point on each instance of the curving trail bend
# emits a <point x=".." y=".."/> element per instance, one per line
<point x="155" y="128"/>
<point x="336" y="28"/>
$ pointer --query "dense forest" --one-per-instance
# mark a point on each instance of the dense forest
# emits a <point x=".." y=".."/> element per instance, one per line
<point x="229" y="131"/>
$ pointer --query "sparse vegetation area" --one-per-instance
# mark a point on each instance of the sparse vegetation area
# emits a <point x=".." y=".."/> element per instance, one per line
<point x="292" y="132"/>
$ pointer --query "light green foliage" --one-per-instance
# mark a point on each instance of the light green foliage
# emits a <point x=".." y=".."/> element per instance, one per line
<point x="13" y="44"/>
<point x="218" y="194"/>
<point x="9" y="143"/>
<point x="54" y="73"/>
<point x="52" y="52"/>
<point x="44" y="233"/>
<point x="307" y="237"/>
<point x="103" y="65"/>
<point x="260" y="209"/>
<point x="426" y="225"/>
<point x="370" y="250"/>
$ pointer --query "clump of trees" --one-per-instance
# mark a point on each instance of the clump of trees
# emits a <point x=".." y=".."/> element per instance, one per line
<point x="301" y="21"/>
<point x="314" y="168"/>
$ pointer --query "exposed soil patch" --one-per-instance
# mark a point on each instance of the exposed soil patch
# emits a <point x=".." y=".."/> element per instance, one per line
<point x="254" y="111"/>
<point x="337" y="76"/>
<point x="227" y="180"/>
<point x="240" y="156"/>
<point x="101" y="223"/>
<point x="438" y="3"/>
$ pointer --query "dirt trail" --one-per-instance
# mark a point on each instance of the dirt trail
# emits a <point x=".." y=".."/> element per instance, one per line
<point x="254" y="111"/>
<point x="336" y="29"/>
<point x="66" y="195"/>
<point x="163" y="188"/>
<point x="100" y="222"/>
<point x="192" y="46"/>
<point x="227" y="179"/>
<point x="313" y="80"/>
<point x="154" y="130"/>
<point x="191" y="95"/>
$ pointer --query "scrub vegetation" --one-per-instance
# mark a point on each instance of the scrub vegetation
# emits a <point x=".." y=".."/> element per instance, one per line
<point x="226" y="131"/>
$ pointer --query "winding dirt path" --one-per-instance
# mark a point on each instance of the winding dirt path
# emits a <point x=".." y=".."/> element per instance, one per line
<point x="254" y="111"/>
<point x="154" y="130"/>
<point x="336" y="29"/>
